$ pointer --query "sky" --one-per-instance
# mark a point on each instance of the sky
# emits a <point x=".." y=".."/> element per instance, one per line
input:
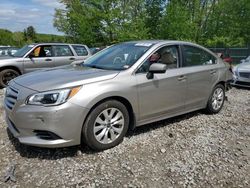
<point x="16" y="15"/>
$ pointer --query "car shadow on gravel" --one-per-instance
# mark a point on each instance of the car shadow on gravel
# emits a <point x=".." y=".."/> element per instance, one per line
<point x="163" y="123"/>
<point x="59" y="153"/>
<point x="47" y="153"/>
<point x="242" y="88"/>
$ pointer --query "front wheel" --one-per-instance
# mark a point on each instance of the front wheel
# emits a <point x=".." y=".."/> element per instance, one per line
<point x="216" y="100"/>
<point x="106" y="125"/>
<point x="6" y="76"/>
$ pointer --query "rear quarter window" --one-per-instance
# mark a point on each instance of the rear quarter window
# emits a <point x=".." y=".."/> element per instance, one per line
<point x="80" y="50"/>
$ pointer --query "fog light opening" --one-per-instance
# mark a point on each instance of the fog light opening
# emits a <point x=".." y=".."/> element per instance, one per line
<point x="46" y="135"/>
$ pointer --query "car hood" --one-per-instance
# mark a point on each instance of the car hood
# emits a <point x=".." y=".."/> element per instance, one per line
<point x="4" y="58"/>
<point x="243" y="67"/>
<point x="63" y="77"/>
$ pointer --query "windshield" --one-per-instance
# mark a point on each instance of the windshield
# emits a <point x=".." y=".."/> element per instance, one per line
<point x="118" y="57"/>
<point x="23" y="51"/>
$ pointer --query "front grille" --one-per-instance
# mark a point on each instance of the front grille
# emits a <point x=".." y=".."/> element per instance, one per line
<point x="242" y="83"/>
<point x="244" y="74"/>
<point x="11" y="97"/>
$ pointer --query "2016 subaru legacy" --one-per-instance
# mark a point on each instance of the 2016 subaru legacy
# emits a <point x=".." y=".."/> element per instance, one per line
<point x="124" y="86"/>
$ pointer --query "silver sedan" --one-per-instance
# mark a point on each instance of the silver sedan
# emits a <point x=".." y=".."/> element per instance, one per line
<point x="122" y="87"/>
<point x="241" y="74"/>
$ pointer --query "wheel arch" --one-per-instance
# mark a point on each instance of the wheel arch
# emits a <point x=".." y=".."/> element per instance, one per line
<point x="11" y="67"/>
<point x="125" y="102"/>
<point x="221" y="82"/>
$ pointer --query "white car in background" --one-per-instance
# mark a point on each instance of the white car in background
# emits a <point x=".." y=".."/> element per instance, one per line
<point x="241" y="74"/>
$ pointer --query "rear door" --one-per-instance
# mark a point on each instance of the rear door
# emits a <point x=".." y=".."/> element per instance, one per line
<point x="81" y="52"/>
<point x="63" y="55"/>
<point x="200" y="68"/>
<point x="39" y="58"/>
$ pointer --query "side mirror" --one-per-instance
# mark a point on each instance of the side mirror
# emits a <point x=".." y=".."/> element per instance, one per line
<point x="156" y="68"/>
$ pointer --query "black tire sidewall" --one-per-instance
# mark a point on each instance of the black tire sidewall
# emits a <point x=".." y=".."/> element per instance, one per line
<point x="88" y="133"/>
<point x="210" y="108"/>
<point x="2" y="84"/>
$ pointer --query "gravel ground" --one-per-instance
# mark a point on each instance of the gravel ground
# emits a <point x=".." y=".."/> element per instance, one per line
<point x="193" y="150"/>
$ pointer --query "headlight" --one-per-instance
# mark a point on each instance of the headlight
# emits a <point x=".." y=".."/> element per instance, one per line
<point x="52" y="98"/>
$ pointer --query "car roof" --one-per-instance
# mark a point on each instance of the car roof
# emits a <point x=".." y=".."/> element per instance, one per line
<point x="56" y="43"/>
<point x="153" y="42"/>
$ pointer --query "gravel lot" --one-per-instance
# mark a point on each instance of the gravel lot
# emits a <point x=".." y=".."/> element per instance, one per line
<point x="193" y="150"/>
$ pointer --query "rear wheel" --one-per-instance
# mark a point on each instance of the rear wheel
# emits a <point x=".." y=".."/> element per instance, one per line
<point x="6" y="75"/>
<point x="106" y="125"/>
<point x="216" y="100"/>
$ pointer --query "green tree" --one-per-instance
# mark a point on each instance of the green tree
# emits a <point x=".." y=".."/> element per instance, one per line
<point x="30" y="33"/>
<point x="6" y="37"/>
<point x="18" y="38"/>
<point x="102" y="21"/>
<point x="154" y="13"/>
<point x="230" y="19"/>
<point x="176" y="23"/>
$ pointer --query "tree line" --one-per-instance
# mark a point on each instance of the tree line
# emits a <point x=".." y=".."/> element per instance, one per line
<point x="28" y="36"/>
<point x="213" y="23"/>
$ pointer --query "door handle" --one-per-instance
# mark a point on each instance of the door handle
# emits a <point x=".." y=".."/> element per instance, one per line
<point x="213" y="71"/>
<point x="48" y="59"/>
<point x="72" y="58"/>
<point x="181" y="78"/>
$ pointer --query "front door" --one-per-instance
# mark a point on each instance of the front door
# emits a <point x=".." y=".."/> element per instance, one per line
<point x="39" y="58"/>
<point x="162" y="96"/>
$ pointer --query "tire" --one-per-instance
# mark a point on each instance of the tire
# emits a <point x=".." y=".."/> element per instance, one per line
<point x="216" y="100"/>
<point x="6" y="75"/>
<point x="106" y="125"/>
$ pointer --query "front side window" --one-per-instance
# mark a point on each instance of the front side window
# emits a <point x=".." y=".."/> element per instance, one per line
<point x="118" y="57"/>
<point x="167" y="55"/>
<point x="62" y="50"/>
<point x="194" y="56"/>
<point x="80" y="50"/>
<point x="42" y="51"/>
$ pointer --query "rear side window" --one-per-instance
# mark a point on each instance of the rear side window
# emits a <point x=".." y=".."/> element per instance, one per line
<point x="62" y="50"/>
<point x="80" y="50"/>
<point x="194" y="56"/>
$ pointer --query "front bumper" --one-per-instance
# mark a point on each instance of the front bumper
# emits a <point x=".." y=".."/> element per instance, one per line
<point x="54" y="126"/>
<point x="239" y="81"/>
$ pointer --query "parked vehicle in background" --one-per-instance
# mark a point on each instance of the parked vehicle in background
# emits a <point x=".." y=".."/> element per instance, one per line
<point x="8" y="51"/>
<point x="245" y="60"/>
<point x="94" y="50"/>
<point x="40" y="56"/>
<point x="226" y="58"/>
<point x="241" y="74"/>
<point x="123" y="86"/>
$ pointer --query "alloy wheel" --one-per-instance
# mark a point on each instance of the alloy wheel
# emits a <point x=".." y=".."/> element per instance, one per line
<point x="217" y="98"/>
<point x="108" y="125"/>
